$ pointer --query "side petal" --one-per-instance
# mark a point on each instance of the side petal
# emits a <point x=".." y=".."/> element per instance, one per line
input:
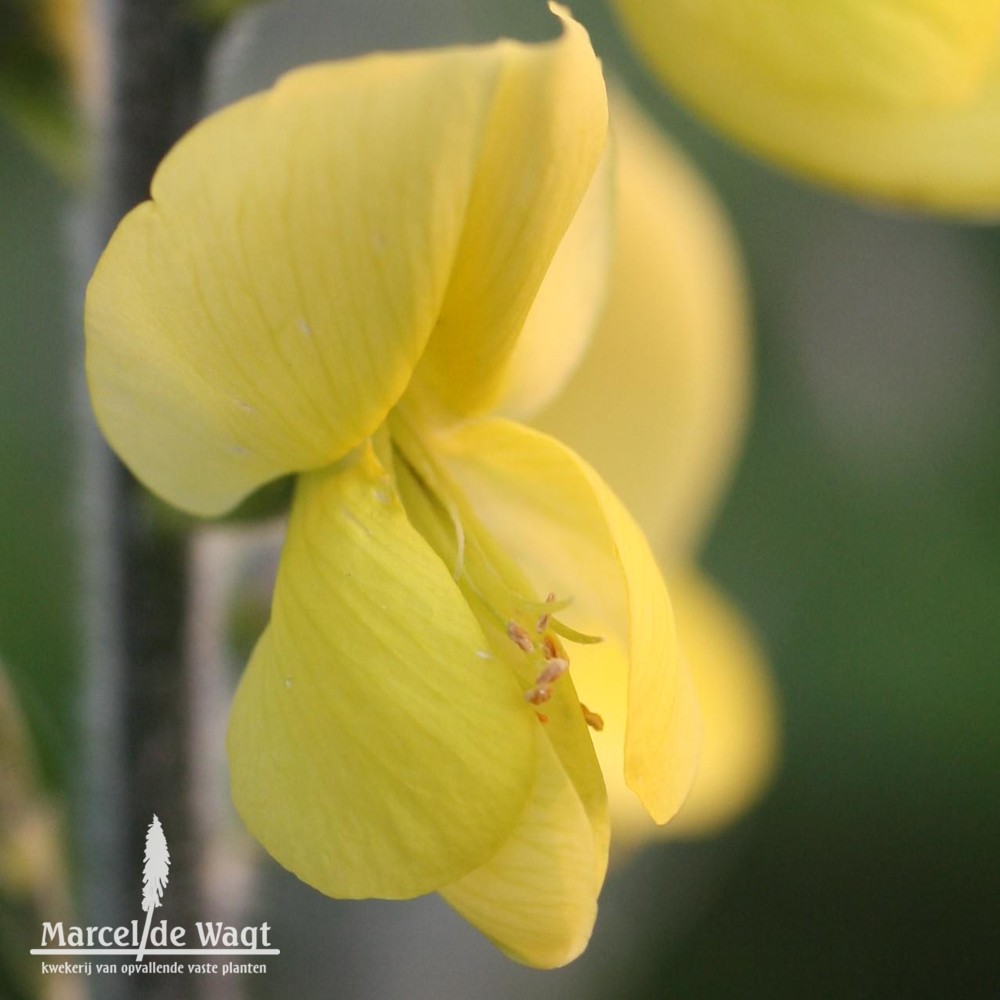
<point x="536" y="899"/>
<point x="739" y="719"/>
<point x="739" y="706"/>
<point x="674" y="337"/>
<point x="546" y="134"/>
<point x="372" y="752"/>
<point x="898" y="99"/>
<point x="568" y="533"/>
<point x="269" y="305"/>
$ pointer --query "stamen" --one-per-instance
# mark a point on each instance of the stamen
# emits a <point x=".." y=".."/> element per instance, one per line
<point x="542" y="718"/>
<point x="571" y="633"/>
<point x="538" y="695"/>
<point x="489" y="578"/>
<point x="553" y="648"/>
<point x="592" y="718"/>
<point x="519" y="637"/>
<point x="530" y="607"/>
<point x="543" y="621"/>
<point x="554" y="669"/>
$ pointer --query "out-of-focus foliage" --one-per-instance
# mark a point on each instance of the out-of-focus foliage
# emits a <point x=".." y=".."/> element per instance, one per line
<point x="218" y="11"/>
<point x="36" y="88"/>
<point x="38" y="570"/>
<point x="34" y="884"/>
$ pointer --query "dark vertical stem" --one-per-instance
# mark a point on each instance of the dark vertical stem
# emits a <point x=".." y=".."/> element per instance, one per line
<point x="137" y="716"/>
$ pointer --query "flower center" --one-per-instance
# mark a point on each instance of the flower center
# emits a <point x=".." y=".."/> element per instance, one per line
<point x="522" y="631"/>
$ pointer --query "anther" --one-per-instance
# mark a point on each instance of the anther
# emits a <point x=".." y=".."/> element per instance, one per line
<point x="538" y="695"/>
<point x="554" y="669"/>
<point x="542" y="718"/>
<point x="543" y="621"/>
<point x="592" y="718"/>
<point x="519" y="637"/>
<point x="552" y="648"/>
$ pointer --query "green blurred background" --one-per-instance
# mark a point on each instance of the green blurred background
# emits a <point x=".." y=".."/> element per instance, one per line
<point x="861" y="535"/>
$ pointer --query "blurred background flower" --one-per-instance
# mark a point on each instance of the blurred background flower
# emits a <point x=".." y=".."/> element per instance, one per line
<point x="860" y="534"/>
<point x="895" y="99"/>
<point x="43" y="47"/>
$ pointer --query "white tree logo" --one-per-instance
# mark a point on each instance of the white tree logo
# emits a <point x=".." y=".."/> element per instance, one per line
<point x="155" y="873"/>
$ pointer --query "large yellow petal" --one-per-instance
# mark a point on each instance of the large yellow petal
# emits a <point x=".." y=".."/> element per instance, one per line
<point x="898" y="99"/>
<point x="264" y="311"/>
<point x="568" y="305"/>
<point x="372" y="751"/>
<point x="546" y="134"/>
<point x="671" y="352"/>
<point x="536" y="899"/>
<point x="739" y="718"/>
<point x="567" y="531"/>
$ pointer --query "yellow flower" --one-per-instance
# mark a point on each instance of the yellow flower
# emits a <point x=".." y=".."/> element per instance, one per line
<point x="896" y="99"/>
<point x="674" y="339"/>
<point x="348" y="277"/>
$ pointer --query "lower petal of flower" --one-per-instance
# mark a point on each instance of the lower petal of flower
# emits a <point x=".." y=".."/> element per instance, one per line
<point x="568" y="532"/>
<point x="536" y="899"/>
<point x="518" y="630"/>
<point x="372" y="751"/>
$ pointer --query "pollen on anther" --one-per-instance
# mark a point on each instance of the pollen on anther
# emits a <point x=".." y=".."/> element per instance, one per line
<point x="538" y="695"/>
<point x="552" y="648"/>
<point x="519" y="637"/>
<point x="554" y="669"/>
<point x="543" y="621"/>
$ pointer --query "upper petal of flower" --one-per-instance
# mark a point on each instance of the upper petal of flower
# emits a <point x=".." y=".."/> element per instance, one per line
<point x="568" y="532"/>
<point x="659" y="401"/>
<point x="899" y="99"/>
<point x="372" y="751"/>
<point x="269" y="305"/>
<point x="569" y="303"/>
<point x="546" y="135"/>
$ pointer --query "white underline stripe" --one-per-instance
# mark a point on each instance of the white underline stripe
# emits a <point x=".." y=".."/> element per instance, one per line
<point x="147" y="952"/>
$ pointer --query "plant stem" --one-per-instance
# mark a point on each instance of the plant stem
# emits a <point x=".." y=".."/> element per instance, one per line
<point x="136" y="708"/>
